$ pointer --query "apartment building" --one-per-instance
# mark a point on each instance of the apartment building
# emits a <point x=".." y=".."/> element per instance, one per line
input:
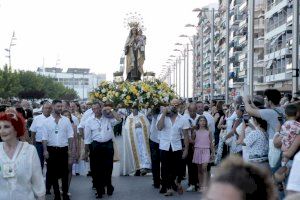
<point x="80" y="79"/>
<point x="278" y="45"/>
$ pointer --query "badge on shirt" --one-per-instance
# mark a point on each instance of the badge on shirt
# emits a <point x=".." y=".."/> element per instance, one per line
<point x="9" y="170"/>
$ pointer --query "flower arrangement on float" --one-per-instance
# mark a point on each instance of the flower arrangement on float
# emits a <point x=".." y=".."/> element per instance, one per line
<point x="131" y="94"/>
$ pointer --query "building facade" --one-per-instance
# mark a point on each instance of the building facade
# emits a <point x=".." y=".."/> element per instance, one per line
<point x="272" y="54"/>
<point x="80" y="79"/>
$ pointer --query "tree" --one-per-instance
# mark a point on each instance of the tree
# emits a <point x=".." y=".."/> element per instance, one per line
<point x="29" y="85"/>
<point x="9" y="82"/>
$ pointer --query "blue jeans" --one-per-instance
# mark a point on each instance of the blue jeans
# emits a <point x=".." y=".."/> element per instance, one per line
<point x="40" y="151"/>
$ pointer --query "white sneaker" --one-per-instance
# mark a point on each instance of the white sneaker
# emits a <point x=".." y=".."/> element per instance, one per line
<point x="192" y="188"/>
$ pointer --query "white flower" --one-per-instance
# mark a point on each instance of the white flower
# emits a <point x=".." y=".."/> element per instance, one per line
<point x="104" y="99"/>
<point x="166" y="98"/>
<point x="103" y="90"/>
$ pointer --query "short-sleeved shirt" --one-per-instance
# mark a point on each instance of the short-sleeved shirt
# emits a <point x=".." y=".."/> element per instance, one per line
<point x="37" y="127"/>
<point x="100" y="130"/>
<point x="170" y="135"/>
<point x="290" y="129"/>
<point x="294" y="177"/>
<point x="271" y="116"/>
<point x="57" y="134"/>
<point x="154" y="132"/>
<point x="257" y="145"/>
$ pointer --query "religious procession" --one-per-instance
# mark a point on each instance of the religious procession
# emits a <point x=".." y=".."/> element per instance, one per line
<point x="182" y="148"/>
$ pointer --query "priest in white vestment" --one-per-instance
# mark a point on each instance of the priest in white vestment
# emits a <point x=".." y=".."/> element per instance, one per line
<point x="136" y="155"/>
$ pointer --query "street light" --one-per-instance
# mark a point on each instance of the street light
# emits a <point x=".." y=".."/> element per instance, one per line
<point x="187" y="55"/>
<point x="13" y="37"/>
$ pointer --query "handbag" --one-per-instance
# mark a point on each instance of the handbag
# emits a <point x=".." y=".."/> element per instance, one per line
<point x="116" y="157"/>
<point x="274" y="154"/>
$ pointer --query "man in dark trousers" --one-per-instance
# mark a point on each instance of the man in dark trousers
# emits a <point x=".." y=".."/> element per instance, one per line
<point x="57" y="140"/>
<point x="99" y="133"/>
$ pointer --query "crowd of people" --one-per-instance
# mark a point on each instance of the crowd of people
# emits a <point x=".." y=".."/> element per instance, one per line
<point x="253" y="143"/>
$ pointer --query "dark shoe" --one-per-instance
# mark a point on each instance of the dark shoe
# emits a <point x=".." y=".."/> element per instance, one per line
<point x="48" y="192"/>
<point x="163" y="190"/>
<point x="66" y="197"/>
<point x="137" y="173"/>
<point x="99" y="196"/>
<point x="89" y="173"/>
<point x="77" y="174"/>
<point x="157" y="186"/>
<point x="110" y="190"/>
<point x="57" y="198"/>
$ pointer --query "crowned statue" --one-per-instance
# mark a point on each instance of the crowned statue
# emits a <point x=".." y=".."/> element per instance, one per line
<point x="135" y="48"/>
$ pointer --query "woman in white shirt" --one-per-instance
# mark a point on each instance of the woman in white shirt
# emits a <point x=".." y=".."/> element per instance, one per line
<point x="20" y="170"/>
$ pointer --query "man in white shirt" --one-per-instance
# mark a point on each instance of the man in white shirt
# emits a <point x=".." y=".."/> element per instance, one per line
<point x="171" y="124"/>
<point x="192" y="118"/>
<point x="57" y="140"/>
<point x="98" y="133"/>
<point x="36" y="130"/>
<point x="154" y="148"/>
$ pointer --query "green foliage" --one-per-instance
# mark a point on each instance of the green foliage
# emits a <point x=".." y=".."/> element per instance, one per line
<point x="29" y="85"/>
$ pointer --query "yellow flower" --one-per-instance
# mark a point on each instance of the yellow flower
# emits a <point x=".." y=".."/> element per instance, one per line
<point x="128" y="97"/>
<point x="117" y="94"/>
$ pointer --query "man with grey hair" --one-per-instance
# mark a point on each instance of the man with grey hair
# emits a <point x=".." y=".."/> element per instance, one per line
<point x="36" y="130"/>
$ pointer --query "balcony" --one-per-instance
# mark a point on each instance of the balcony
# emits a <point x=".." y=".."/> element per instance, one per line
<point x="278" y="54"/>
<point x="278" y="77"/>
<point x="242" y="40"/>
<point x="275" y="7"/>
<point x="242" y="56"/>
<point x="243" y="23"/>
<point x="273" y="32"/>
<point x="289" y="19"/>
<point x="242" y="74"/>
<point x="243" y="7"/>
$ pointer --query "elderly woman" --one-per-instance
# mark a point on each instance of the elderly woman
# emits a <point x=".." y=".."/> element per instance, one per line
<point x="20" y="170"/>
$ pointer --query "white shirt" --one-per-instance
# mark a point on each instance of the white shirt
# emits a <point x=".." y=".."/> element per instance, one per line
<point x="154" y="132"/>
<point x="75" y="119"/>
<point x="37" y="127"/>
<point x="294" y="177"/>
<point x="100" y="130"/>
<point x="191" y="121"/>
<point x="170" y="135"/>
<point x="57" y="135"/>
<point x="28" y="181"/>
<point x="86" y="115"/>
<point x="210" y="122"/>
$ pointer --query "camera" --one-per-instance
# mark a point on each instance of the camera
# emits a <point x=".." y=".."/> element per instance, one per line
<point x="246" y="118"/>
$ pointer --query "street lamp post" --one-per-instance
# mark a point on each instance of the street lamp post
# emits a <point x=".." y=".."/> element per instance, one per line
<point x="212" y="57"/>
<point x="13" y="37"/>
<point x="295" y="47"/>
<point x="227" y="54"/>
<point x="251" y="46"/>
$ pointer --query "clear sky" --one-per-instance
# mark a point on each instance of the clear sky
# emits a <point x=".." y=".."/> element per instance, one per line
<point x="90" y="33"/>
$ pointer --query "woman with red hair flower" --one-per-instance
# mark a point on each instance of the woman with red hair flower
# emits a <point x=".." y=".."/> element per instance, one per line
<point x="20" y="171"/>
